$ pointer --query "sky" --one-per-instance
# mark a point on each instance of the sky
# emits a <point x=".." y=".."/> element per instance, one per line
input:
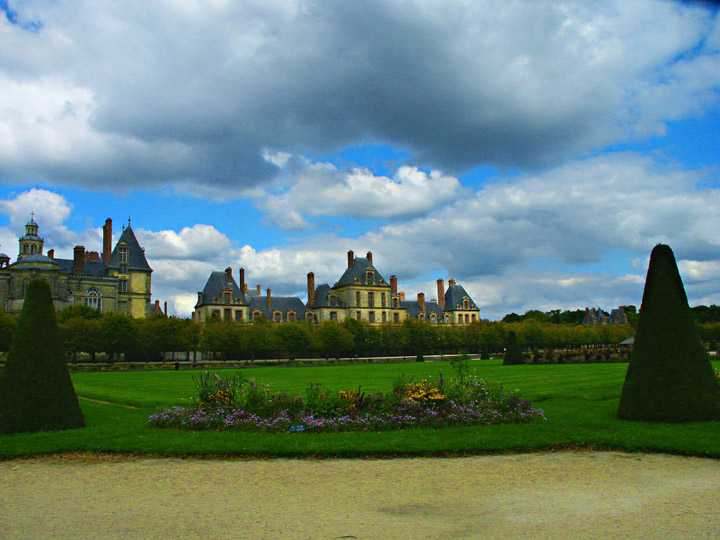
<point x="533" y="150"/>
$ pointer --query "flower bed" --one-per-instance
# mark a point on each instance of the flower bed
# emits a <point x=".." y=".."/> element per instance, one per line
<point x="238" y="405"/>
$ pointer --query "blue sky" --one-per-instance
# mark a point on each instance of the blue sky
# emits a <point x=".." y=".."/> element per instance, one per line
<point x="533" y="151"/>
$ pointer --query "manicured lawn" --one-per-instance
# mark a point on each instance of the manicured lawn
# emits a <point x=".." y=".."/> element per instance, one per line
<point x="579" y="400"/>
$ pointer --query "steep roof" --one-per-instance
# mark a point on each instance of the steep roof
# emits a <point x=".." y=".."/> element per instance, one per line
<point x="216" y="283"/>
<point x="282" y="303"/>
<point x="454" y="297"/>
<point x="355" y="275"/>
<point x="92" y="268"/>
<point x="321" y="297"/>
<point x="136" y="255"/>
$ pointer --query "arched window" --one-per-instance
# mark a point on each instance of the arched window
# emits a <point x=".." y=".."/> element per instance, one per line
<point x="370" y="277"/>
<point x="433" y="318"/>
<point x="291" y="316"/>
<point x="25" y="248"/>
<point x="24" y="287"/>
<point x="33" y="248"/>
<point x="466" y="303"/>
<point x="277" y="316"/>
<point x="333" y="300"/>
<point x="93" y="299"/>
<point x="256" y="313"/>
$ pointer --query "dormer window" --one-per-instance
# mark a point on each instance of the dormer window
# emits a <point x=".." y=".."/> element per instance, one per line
<point x="370" y="277"/>
<point x="122" y="255"/>
<point x="333" y="300"/>
<point x="227" y="297"/>
<point x="466" y="303"/>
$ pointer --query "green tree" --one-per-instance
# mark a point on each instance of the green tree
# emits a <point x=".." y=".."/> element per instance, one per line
<point x="333" y="339"/>
<point x="36" y="392"/>
<point x="117" y="335"/>
<point x="669" y="377"/>
<point x="513" y="354"/>
<point x="294" y="338"/>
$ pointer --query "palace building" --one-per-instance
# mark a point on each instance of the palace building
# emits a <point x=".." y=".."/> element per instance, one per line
<point x="361" y="293"/>
<point x="117" y="280"/>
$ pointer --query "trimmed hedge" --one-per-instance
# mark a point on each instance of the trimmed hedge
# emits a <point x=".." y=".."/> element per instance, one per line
<point x="36" y="392"/>
<point x="513" y="353"/>
<point x="669" y="377"/>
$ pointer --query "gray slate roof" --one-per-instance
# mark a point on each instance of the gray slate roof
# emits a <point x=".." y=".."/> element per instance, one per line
<point x="35" y="258"/>
<point x="413" y="309"/>
<point x="136" y="256"/>
<point x="357" y="272"/>
<point x="218" y="281"/>
<point x="454" y="297"/>
<point x="92" y="268"/>
<point x="321" y="297"/>
<point x="282" y="303"/>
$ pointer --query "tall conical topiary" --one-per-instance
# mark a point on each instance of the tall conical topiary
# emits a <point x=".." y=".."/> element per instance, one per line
<point x="36" y="392"/>
<point x="513" y="353"/>
<point x="669" y="377"/>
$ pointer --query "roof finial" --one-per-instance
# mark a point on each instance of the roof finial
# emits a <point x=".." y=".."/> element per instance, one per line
<point x="32" y="215"/>
<point x="128" y="221"/>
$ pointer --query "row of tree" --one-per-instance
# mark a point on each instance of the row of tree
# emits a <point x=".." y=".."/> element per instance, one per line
<point x="83" y="330"/>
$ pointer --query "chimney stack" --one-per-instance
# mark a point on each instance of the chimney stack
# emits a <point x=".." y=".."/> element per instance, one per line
<point x="165" y="311"/>
<point x="258" y="289"/>
<point x="199" y="298"/>
<point x="402" y="296"/>
<point x="451" y="282"/>
<point x="228" y="273"/>
<point x="311" y="289"/>
<point x="369" y="256"/>
<point x="351" y="259"/>
<point x="421" y="302"/>
<point x="441" y="293"/>
<point x="243" y="288"/>
<point x="51" y="254"/>
<point x="79" y="260"/>
<point x="107" y="241"/>
<point x="393" y="284"/>
<point x="269" y="299"/>
<point x="157" y="306"/>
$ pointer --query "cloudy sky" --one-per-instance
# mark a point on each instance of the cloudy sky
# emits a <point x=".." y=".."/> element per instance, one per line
<point x="534" y="150"/>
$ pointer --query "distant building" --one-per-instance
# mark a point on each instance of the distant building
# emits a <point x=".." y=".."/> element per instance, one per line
<point x="361" y="293"/>
<point x="598" y="316"/>
<point x="117" y="280"/>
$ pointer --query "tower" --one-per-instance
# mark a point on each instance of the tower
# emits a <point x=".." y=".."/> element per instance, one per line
<point x="30" y="243"/>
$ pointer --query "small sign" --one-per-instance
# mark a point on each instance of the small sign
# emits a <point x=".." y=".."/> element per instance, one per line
<point x="297" y="428"/>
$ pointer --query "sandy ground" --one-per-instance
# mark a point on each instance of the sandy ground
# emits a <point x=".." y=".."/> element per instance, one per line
<point x="539" y="496"/>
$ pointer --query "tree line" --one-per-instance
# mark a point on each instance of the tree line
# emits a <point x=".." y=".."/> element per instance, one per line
<point x="87" y="333"/>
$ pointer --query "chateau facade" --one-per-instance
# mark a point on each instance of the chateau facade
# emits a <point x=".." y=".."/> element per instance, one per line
<point x="361" y="293"/>
<point x="117" y="280"/>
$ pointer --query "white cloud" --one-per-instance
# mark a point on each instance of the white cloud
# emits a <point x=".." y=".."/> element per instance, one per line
<point x="321" y="189"/>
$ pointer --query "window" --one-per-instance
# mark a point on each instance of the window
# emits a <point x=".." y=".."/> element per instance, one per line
<point x="216" y="313"/>
<point x="359" y="315"/>
<point x="123" y="307"/>
<point x="291" y="316"/>
<point x="466" y="303"/>
<point x="447" y="317"/>
<point x="467" y="318"/>
<point x="333" y="300"/>
<point x="93" y="299"/>
<point x="474" y="317"/>
<point x="227" y="297"/>
<point x="333" y="315"/>
<point x="33" y="248"/>
<point x="122" y="255"/>
<point x="123" y="285"/>
<point x="25" y="248"/>
<point x="371" y="299"/>
<point x="123" y="268"/>
<point x="24" y="287"/>
<point x="256" y="313"/>
<point x="396" y="302"/>
<point x="277" y="316"/>
<point x="421" y="316"/>
<point x="384" y="316"/>
<point x="382" y="299"/>
<point x="371" y="316"/>
<point x="227" y="313"/>
<point x="433" y="318"/>
<point x="370" y="277"/>
<point x="357" y="298"/>
<point x="238" y="315"/>
<point x="396" y="317"/>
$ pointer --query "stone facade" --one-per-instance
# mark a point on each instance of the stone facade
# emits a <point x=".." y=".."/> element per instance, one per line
<point x="113" y="281"/>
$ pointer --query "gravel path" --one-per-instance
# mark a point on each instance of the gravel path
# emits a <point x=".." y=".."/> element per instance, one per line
<point x="571" y="495"/>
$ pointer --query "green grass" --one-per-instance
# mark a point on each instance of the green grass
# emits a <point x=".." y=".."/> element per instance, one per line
<point x="579" y="400"/>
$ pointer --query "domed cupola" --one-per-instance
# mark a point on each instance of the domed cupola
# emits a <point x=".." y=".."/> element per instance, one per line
<point x="31" y="243"/>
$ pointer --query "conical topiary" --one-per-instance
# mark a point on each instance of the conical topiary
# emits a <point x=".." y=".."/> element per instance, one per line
<point x="513" y="353"/>
<point x="36" y="392"/>
<point x="669" y="377"/>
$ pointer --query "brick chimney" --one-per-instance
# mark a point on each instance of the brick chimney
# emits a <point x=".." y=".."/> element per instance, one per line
<point x="92" y="256"/>
<point x="421" y="302"/>
<point x="165" y="311"/>
<point x="107" y="241"/>
<point x="79" y="260"/>
<point x="269" y="298"/>
<point x="351" y="259"/>
<point x="258" y="289"/>
<point x="228" y="274"/>
<point x="369" y="256"/>
<point x="311" y="289"/>
<point x="393" y="284"/>
<point x="402" y="296"/>
<point x="451" y="282"/>
<point x="51" y="254"/>
<point x="243" y="288"/>
<point x="157" y="305"/>
<point x="441" y="293"/>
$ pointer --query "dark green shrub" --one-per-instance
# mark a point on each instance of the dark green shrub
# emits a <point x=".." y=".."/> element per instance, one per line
<point x="513" y="354"/>
<point x="669" y="377"/>
<point x="36" y="392"/>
